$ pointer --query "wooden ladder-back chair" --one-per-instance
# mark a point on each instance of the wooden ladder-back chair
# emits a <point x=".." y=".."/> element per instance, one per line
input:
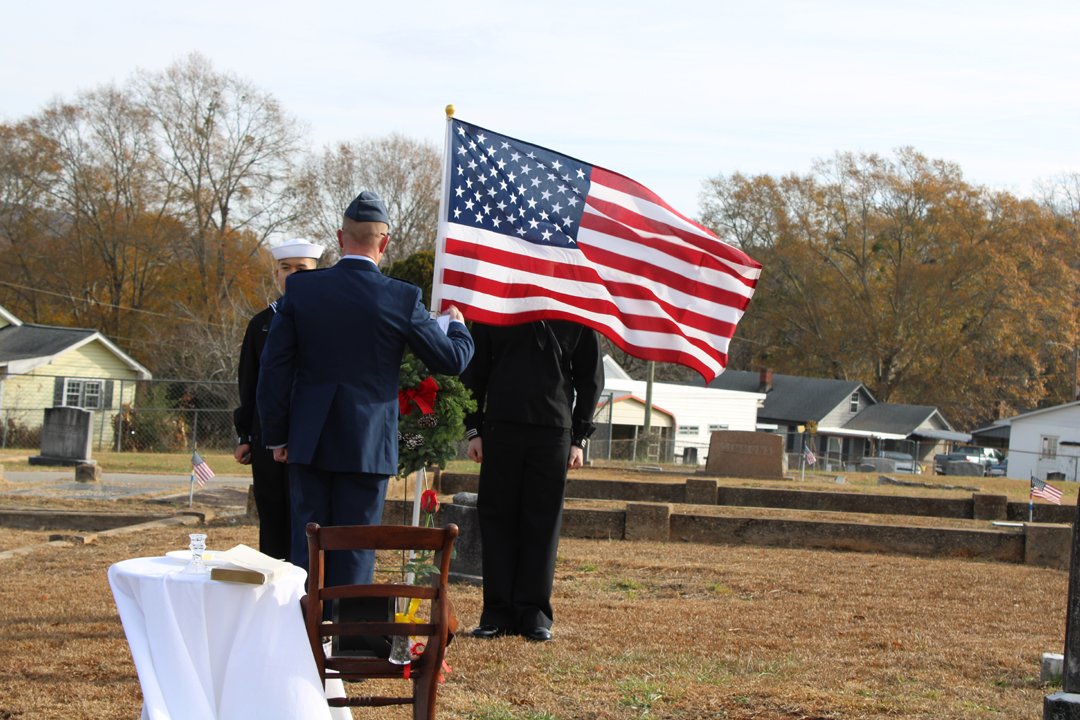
<point x="424" y="671"/>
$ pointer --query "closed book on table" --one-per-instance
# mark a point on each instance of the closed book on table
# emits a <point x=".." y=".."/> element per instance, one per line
<point x="237" y="574"/>
<point x="247" y="565"/>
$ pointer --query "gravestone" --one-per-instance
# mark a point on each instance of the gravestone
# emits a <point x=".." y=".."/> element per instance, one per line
<point x="1065" y="705"/>
<point x="735" y="453"/>
<point x="962" y="467"/>
<point x="66" y="437"/>
<point x="87" y="473"/>
<point x="466" y="566"/>
<point x="877" y="464"/>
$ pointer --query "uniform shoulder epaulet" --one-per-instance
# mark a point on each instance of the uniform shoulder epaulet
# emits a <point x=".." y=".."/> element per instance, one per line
<point x="402" y="280"/>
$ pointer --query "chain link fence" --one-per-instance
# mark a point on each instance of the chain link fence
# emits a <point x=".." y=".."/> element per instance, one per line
<point x="129" y="415"/>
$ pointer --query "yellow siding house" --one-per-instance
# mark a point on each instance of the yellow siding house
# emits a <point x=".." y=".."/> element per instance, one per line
<point x="43" y="367"/>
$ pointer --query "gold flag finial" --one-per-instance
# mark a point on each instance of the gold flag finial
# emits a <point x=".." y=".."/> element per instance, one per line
<point x="449" y="111"/>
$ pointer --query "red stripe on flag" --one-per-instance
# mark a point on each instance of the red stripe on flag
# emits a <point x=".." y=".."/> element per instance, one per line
<point x="651" y="273"/>
<point x="489" y="317"/>
<point x="581" y="274"/>
<point x="620" y="222"/>
<point x="641" y="323"/>
<point x="623" y="184"/>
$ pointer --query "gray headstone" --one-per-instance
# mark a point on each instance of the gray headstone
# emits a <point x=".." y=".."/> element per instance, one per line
<point x="967" y="469"/>
<point x="1065" y="705"/>
<point x="465" y="498"/>
<point x="1050" y="671"/>
<point x="1061" y="706"/>
<point x="880" y="464"/>
<point x="65" y="437"/>
<point x="87" y="473"/>
<point x="736" y="453"/>
<point x="467" y="564"/>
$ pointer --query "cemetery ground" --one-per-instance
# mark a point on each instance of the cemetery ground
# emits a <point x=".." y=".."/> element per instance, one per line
<point x="642" y="629"/>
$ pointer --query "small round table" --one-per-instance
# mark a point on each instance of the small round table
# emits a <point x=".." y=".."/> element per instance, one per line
<point x="209" y="649"/>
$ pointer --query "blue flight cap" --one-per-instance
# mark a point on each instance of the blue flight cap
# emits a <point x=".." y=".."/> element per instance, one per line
<point x="367" y="207"/>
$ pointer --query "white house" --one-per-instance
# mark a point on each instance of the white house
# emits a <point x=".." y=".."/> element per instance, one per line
<point x="1044" y="443"/>
<point x="698" y="411"/>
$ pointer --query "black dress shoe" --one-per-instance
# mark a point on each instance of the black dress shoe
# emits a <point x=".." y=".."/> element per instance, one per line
<point x="488" y="632"/>
<point x="537" y="634"/>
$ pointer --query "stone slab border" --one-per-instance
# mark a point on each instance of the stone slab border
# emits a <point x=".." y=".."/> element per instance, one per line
<point x="60" y="540"/>
<point x="1039" y="544"/>
<point x="702" y="491"/>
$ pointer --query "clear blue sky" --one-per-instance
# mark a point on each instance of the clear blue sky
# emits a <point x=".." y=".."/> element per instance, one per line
<point x="667" y="93"/>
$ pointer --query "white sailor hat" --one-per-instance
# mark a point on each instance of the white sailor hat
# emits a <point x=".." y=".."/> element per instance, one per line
<point x="297" y="248"/>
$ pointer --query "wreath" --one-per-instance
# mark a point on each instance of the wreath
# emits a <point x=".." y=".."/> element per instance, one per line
<point x="431" y="416"/>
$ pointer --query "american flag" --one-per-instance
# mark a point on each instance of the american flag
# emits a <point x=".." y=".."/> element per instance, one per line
<point x="1045" y="490"/>
<point x="810" y="457"/>
<point x="527" y="234"/>
<point x="202" y="470"/>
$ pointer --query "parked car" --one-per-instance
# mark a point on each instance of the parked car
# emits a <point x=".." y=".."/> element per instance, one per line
<point x="987" y="457"/>
<point x="1000" y="470"/>
<point x="904" y="462"/>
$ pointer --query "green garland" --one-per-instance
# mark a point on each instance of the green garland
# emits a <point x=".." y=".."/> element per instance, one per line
<point x="452" y="402"/>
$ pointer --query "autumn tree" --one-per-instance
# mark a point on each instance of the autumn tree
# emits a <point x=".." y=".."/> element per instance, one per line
<point x="403" y="171"/>
<point x="87" y="236"/>
<point x="144" y="211"/>
<point x="898" y="273"/>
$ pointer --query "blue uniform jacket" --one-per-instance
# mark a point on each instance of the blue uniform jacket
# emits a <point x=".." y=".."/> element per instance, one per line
<point x="328" y="381"/>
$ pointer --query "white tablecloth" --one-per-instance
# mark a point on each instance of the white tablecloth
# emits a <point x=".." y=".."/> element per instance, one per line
<point x="206" y="649"/>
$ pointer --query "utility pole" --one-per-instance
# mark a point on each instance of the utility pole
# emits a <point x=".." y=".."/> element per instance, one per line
<point x="650" y="374"/>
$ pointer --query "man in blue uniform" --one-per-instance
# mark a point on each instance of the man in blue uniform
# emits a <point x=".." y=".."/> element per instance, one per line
<point x="328" y="385"/>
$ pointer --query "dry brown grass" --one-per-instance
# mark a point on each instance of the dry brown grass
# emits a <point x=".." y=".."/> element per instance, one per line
<point x="642" y="630"/>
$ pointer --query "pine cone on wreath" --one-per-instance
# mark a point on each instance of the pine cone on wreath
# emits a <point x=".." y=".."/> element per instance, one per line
<point x="428" y="421"/>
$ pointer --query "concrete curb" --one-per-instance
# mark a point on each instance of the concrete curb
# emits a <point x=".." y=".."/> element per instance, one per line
<point x="73" y="539"/>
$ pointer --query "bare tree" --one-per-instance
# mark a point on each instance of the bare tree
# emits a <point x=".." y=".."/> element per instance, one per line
<point x="88" y="225"/>
<point x="226" y="157"/>
<point x="403" y="171"/>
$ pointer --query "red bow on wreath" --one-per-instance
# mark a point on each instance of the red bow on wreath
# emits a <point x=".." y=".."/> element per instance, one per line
<point x="423" y="395"/>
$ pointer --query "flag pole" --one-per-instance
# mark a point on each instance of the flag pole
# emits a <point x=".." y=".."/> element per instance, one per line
<point x="648" y="406"/>
<point x="444" y="215"/>
<point x="802" y="464"/>
<point x="421" y="473"/>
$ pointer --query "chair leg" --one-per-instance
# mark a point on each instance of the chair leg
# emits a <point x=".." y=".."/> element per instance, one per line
<point x="424" y="690"/>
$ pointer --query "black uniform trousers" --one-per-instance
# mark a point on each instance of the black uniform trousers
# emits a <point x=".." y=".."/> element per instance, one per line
<point x="271" y="481"/>
<point x="519" y="505"/>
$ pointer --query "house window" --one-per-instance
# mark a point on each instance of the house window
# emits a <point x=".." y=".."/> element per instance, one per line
<point x="855" y="401"/>
<point x="717" y="428"/>
<point x="689" y="429"/>
<point x="83" y="393"/>
<point x="1049" y="447"/>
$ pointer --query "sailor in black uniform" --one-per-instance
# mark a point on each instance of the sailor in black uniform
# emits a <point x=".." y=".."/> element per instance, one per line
<point x="271" y="479"/>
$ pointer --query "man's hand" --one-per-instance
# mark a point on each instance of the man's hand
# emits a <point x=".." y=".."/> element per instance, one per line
<point x="281" y="454"/>
<point x="243" y="454"/>
<point x="476" y="450"/>
<point x="577" y="458"/>
<point x="455" y="314"/>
